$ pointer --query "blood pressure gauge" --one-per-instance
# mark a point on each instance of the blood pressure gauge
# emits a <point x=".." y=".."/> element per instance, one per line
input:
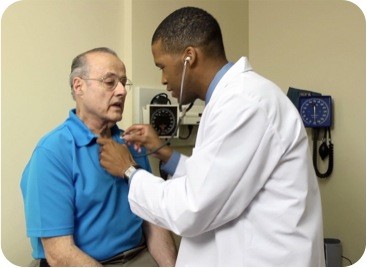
<point x="163" y="118"/>
<point x="315" y="111"/>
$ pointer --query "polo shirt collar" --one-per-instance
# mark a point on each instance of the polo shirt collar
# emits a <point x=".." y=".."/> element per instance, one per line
<point x="81" y="133"/>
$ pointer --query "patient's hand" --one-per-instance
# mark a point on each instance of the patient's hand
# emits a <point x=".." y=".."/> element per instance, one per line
<point x="114" y="157"/>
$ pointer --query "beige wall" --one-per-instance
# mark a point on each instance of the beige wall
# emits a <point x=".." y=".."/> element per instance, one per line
<point x="308" y="44"/>
<point x="320" y="46"/>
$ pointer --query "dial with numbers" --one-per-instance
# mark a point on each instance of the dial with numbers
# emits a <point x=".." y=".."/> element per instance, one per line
<point x="163" y="120"/>
<point x="315" y="111"/>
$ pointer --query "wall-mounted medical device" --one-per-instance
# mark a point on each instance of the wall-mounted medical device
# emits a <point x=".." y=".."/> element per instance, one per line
<point x="155" y="107"/>
<point x="316" y="111"/>
<point x="163" y="118"/>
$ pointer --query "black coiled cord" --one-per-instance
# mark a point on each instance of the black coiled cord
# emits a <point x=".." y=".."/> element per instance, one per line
<point x="330" y="153"/>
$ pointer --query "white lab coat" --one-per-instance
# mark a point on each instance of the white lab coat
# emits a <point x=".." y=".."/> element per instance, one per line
<point x="248" y="195"/>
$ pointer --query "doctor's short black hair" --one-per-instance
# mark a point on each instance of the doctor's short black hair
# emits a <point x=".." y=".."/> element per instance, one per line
<point x="190" y="26"/>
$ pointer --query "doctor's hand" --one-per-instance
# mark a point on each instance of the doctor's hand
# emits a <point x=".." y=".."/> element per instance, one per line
<point x="114" y="157"/>
<point x="145" y="136"/>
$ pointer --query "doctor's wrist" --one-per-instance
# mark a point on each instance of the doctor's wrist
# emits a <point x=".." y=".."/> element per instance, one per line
<point x="164" y="153"/>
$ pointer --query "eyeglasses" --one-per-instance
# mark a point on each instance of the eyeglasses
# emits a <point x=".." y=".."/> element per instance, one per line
<point x="111" y="81"/>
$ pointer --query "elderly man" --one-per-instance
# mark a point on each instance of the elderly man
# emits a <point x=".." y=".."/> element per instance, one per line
<point x="77" y="214"/>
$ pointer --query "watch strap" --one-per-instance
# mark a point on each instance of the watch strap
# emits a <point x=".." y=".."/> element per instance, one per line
<point x="128" y="174"/>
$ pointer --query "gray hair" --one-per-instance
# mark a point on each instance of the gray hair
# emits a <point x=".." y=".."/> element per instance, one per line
<point x="79" y="65"/>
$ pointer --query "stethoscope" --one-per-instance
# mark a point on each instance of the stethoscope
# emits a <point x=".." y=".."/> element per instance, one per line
<point x="182" y="110"/>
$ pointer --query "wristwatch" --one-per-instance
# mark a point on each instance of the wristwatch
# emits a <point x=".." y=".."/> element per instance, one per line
<point x="130" y="171"/>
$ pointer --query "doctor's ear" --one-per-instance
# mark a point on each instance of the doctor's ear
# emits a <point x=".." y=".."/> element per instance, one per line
<point x="189" y="55"/>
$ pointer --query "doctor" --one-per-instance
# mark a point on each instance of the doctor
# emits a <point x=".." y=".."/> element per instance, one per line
<point x="248" y="195"/>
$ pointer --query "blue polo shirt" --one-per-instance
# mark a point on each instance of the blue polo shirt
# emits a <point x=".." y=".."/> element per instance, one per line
<point x="67" y="192"/>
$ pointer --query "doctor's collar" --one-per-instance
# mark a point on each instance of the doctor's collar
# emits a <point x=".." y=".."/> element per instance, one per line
<point x="216" y="80"/>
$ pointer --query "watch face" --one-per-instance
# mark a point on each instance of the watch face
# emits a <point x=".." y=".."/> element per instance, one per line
<point x="163" y="119"/>
<point x="315" y="111"/>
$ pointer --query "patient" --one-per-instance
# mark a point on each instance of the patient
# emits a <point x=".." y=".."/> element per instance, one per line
<point x="77" y="214"/>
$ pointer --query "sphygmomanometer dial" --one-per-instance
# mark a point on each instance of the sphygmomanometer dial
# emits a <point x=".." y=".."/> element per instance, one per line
<point x="315" y="111"/>
<point x="163" y="120"/>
